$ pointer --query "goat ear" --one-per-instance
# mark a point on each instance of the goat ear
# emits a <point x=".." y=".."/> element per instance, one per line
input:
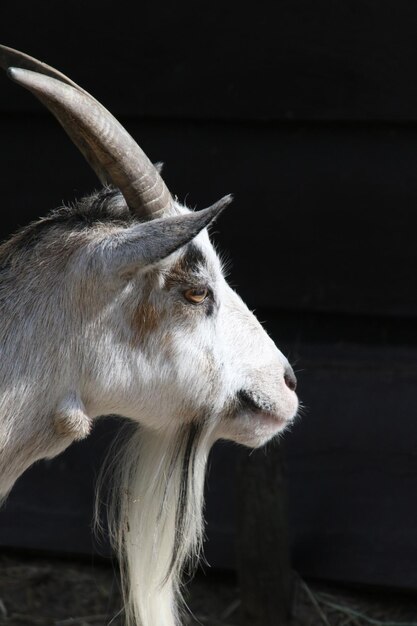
<point x="148" y="243"/>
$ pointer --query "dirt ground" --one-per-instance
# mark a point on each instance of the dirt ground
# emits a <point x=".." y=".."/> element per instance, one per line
<point x="55" y="592"/>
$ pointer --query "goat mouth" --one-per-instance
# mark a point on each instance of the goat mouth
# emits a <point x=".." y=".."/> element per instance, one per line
<point x="252" y="419"/>
<point x="250" y="406"/>
<point x="252" y="427"/>
<point x="269" y="419"/>
<point x="249" y="401"/>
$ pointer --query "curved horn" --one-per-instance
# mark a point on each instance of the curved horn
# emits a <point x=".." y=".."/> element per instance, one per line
<point x="110" y="150"/>
<point x="9" y="57"/>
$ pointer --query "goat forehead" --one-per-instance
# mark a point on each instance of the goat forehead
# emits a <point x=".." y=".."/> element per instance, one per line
<point x="197" y="259"/>
<point x="192" y="260"/>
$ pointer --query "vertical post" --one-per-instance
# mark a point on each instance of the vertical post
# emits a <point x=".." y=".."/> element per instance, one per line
<point x="263" y="558"/>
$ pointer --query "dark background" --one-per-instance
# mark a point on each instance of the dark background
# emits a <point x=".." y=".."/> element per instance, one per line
<point x="307" y="112"/>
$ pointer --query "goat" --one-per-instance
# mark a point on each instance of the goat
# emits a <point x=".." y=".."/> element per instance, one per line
<point x="118" y="305"/>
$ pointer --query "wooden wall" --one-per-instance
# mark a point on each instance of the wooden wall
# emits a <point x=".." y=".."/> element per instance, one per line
<point x="307" y="112"/>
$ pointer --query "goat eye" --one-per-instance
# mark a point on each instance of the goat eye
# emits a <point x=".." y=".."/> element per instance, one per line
<point x="196" y="296"/>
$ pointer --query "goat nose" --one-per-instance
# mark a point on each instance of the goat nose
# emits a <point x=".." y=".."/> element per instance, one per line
<point x="290" y="379"/>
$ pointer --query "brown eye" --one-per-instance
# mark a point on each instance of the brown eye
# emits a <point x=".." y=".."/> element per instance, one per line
<point x="196" y="296"/>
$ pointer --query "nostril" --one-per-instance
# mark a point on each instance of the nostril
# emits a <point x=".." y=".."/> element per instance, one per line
<point x="290" y="379"/>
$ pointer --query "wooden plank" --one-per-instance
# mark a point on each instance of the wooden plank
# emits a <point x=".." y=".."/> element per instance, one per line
<point x="324" y="219"/>
<point x="352" y="463"/>
<point x="282" y="60"/>
<point x="263" y="556"/>
<point x="50" y="508"/>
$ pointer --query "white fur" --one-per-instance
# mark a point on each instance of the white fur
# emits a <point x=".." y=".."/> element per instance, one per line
<point x="70" y="352"/>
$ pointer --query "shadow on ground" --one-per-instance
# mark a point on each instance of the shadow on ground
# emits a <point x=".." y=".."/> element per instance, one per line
<point x="55" y="592"/>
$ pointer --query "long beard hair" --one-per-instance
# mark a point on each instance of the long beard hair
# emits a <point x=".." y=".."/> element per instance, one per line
<point x="155" y="516"/>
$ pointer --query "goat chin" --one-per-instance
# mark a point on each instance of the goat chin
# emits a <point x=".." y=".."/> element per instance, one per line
<point x="255" y="429"/>
<point x="154" y="510"/>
